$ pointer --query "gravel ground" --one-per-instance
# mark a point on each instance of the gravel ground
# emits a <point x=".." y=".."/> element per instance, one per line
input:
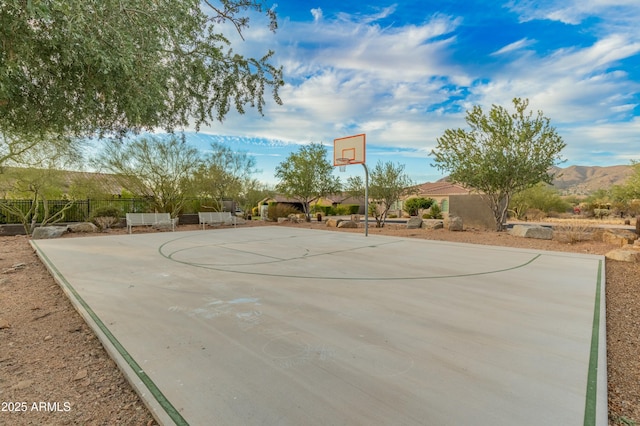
<point x="54" y="371"/>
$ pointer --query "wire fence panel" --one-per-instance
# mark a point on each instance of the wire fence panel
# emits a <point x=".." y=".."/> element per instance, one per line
<point x="82" y="210"/>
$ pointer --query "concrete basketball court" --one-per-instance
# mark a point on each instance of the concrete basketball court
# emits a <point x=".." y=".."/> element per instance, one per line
<point x="287" y="326"/>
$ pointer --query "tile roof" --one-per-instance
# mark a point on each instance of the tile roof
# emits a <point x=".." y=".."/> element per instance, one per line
<point x="441" y="188"/>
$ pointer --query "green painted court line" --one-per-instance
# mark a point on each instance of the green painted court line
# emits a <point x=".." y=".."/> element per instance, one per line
<point x="592" y="377"/>
<point x="137" y="369"/>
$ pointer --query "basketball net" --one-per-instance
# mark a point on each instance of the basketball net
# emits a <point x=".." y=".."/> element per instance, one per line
<point x="343" y="163"/>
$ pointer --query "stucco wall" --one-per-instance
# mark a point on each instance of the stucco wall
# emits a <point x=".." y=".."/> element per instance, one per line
<point x="473" y="210"/>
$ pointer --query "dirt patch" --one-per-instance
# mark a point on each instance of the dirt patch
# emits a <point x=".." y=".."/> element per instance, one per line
<point x="53" y="369"/>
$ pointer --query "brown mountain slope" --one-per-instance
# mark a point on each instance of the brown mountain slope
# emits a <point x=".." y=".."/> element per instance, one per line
<point x="583" y="180"/>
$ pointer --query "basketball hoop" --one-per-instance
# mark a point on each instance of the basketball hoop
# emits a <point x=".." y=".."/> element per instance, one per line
<point x="343" y="163"/>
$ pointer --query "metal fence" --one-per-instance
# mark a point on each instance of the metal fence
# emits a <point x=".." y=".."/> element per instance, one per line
<point x="81" y="210"/>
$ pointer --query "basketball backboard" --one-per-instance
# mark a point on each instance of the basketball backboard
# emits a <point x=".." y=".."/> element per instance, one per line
<point x="350" y="148"/>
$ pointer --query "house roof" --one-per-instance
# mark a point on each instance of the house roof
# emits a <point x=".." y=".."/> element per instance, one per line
<point x="441" y="188"/>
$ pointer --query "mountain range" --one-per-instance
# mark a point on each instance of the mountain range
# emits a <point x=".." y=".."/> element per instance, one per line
<point x="583" y="180"/>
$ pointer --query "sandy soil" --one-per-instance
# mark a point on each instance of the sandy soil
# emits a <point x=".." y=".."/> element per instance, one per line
<point x="54" y="371"/>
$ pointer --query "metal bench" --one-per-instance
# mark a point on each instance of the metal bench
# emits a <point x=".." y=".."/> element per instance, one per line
<point x="150" y="219"/>
<point x="216" y="218"/>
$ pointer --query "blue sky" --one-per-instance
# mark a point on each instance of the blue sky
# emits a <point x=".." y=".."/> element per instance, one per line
<point x="404" y="72"/>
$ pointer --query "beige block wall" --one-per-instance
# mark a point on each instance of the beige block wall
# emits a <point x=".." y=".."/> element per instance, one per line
<point x="473" y="210"/>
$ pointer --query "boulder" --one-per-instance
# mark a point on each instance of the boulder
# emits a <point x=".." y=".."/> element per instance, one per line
<point x="454" y="223"/>
<point x="347" y="224"/>
<point x="333" y="223"/>
<point x="414" y="223"/>
<point x="628" y="253"/>
<point x="532" y="231"/>
<point x="82" y="227"/>
<point x="283" y="219"/>
<point x="433" y="223"/>
<point x="619" y="237"/>
<point x="46" y="232"/>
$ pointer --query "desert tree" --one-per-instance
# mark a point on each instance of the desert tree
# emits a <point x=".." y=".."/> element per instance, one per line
<point x="502" y="154"/>
<point x="79" y="68"/>
<point x="225" y="174"/>
<point x="160" y="168"/>
<point x="35" y="187"/>
<point x="307" y="175"/>
<point x="388" y="183"/>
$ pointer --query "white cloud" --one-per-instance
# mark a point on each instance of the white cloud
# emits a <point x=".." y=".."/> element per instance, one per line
<point x="573" y="12"/>
<point x="517" y="45"/>
<point x="317" y="14"/>
<point x="401" y="86"/>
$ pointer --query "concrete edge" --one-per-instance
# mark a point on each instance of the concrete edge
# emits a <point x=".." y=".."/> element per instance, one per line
<point x="161" y="409"/>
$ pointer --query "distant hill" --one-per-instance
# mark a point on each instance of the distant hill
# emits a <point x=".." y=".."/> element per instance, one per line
<point x="583" y="180"/>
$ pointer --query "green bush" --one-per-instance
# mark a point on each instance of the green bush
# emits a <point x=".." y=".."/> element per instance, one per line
<point x="415" y="204"/>
<point x="325" y="210"/>
<point x="106" y="211"/>
<point x="105" y="217"/>
<point x="434" y="212"/>
<point x="350" y="208"/>
<point x="281" y="210"/>
<point x="341" y="210"/>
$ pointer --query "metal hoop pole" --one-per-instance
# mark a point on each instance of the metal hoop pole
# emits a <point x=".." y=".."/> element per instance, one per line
<point x="366" y="200"/>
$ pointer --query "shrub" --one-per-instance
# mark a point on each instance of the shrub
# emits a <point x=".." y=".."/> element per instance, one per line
<point x="414" y="205"/>
<point x="341" y="210"/>
<point x="281" y="210"/>
<point x="434" y="212"/>
<point x="351" y="208"/>
<point x="105" y="217"/>
<point x="573" y="232"/>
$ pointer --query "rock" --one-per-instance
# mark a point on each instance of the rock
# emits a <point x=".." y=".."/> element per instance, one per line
<point x="46" y="232"/>
<point x="628" y="253"/>
<point x="82" y="227"/>
<point x="283" y="219"/>
<point x="414" y="223"/>
<point x="333" y="223"/>
<point x="454" y="223"/>
<point x="162" y="226"/>
<point x="619" y="237"/>
<point x="347" y="224"/>
<point x="532" y="231"/>
<point x="23" y="384"/>
<point x="293" y="218"/>
<point x="433" y="223"/>
<point x="4" y="324"/>
<point x="19" y="265"/>
<point x="82" y="374"/>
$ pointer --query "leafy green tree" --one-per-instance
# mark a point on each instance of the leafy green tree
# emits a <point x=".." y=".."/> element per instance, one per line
<point x="387" y="184"/>
<point x="225" y="174"/>
<point x="541" y="197"/>
<point x="80" y="67"/>
<point x="503" y="153"/>
<point x="415" y="204"/>
<point x="630" y="189"/>
<point x="155" y="167"/>
<point x="307" y="175"/>
<point x="255" y="192"/>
